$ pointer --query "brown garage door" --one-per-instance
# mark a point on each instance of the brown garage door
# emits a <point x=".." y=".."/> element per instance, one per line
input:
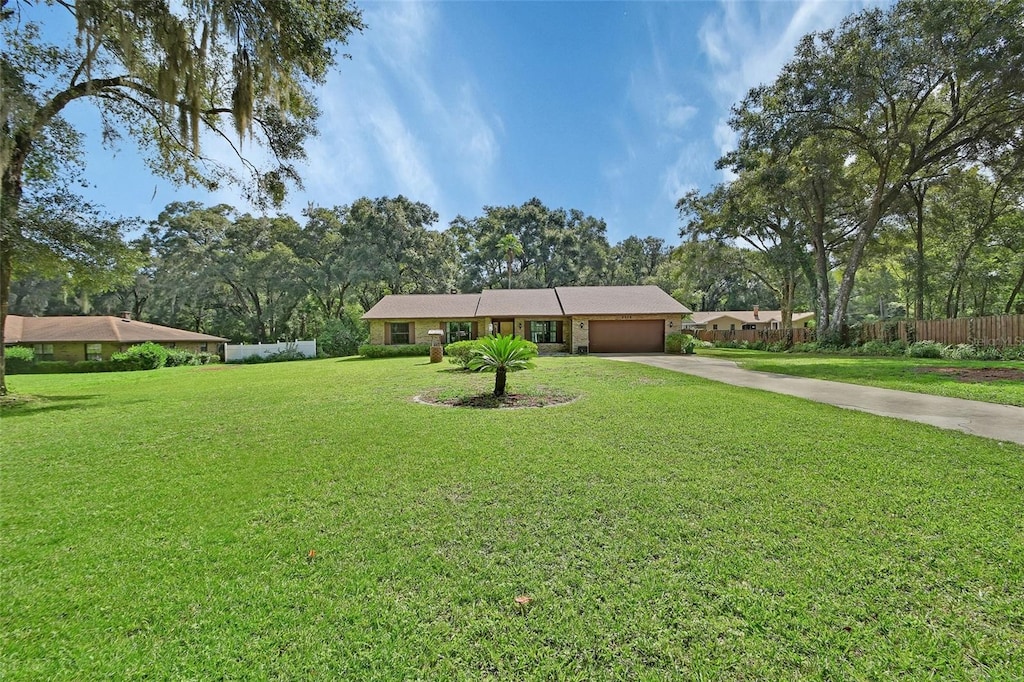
<point x="627" y="336"/>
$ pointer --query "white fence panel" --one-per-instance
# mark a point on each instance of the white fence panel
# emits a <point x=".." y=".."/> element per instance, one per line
<point x="245" y="350"/>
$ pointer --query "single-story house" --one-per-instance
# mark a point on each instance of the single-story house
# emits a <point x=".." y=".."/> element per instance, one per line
<point x="629" y="319"/>
<point x="97" y="337"/>
<point x="756" y="319"/>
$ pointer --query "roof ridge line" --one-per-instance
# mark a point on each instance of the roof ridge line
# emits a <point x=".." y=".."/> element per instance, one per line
<point x="112" y="322"/>
<point x="559" y="299"/>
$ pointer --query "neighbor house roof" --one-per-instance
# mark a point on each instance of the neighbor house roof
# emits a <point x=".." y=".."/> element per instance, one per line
<point x="746" y="316"/>
<point x="630" y="300"/>
<point x="94" y="329"/>
<point x="412" y="306"/>
<point x="519" y="302"/>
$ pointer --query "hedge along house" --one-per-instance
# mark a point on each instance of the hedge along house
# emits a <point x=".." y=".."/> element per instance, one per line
<point x="630" y="319"/>
<point x="97" y="337"/>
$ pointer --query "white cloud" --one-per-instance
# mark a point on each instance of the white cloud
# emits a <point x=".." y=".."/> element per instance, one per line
<point x="676" y="180"/>
<point x="401" y="117"/>
<point x="675" y="113"/>
<point x="403" y="155"/>
<point x="745" y="49"/>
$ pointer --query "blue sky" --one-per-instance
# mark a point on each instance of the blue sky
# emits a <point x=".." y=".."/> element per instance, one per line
<point x="614" y="108"/>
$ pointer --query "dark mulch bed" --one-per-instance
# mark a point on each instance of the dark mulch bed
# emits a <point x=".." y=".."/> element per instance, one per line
<point x="979" y="375"/>
<point x="488" y="401"/>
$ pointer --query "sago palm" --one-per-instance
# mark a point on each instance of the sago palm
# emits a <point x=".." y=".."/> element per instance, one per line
<point x="501" y="355"/>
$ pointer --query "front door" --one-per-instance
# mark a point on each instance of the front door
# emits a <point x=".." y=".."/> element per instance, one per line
<point x="504" y="327"/>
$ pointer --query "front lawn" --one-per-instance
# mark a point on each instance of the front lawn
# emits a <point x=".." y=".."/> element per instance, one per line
<point x="1003" y="382"/>
<point x="310" y="520"/>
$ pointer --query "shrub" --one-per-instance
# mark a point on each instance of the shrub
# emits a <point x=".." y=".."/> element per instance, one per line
<point x="51" y="367"/>
<point x="286" y="355"/>
<point x="343" y="336"/>
<point x="204" y="358"/>
<point x="150" y="356"/>
<point x="961" y="351"/>
<point x="177" y="358"/>
<point x="989" y="353"/>
<point x="680" y="343"/>
<point x="882" y="348"/>
<point x="254" y="359"/>
<point x="127" y="362"/>
<point x="819" y="347"/>
<point x="926" y="349"/>
<point x="1013" y="352"/>
<point x="400" y="351"/>
<point x="89" y="366"/>
<point x="460" y="352"/>
<point x="19" y="359"/>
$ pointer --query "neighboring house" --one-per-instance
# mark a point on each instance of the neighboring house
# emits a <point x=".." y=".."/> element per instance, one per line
<point x="756" y="319"/>
<point x="578" y="319"/>
<point x="97" y="337"/>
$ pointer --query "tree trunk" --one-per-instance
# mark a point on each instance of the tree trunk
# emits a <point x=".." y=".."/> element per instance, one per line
<point x="919" y="276"/>
<point x="1013" y="294"/>
<point x="5" y="292"/>
<point x="499" y="382"/>
<point x="860" y="245"/>
<point x="788" y="296"/>
<point x="822" y="285"/>
<point x="10" y="199"/>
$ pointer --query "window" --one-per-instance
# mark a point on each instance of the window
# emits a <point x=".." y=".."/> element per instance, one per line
<point x="544" y="331"/>
<point x="399" y="332"/>
<point x="458" y="331"/>
<point x="714" y="326"/>
<point x="94" y="351"/>
<point x="44" y="351"/>
<point x="750" y="326"/>
<point x="203" y="347"/>
<point x="732" y="327"/>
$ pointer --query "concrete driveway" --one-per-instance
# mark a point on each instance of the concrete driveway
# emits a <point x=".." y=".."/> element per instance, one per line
<point x="1001" y="422"/>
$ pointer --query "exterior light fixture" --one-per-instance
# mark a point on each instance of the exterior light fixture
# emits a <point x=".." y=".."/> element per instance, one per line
<point x="581" y="325"/>
<point x="671" y="324"/>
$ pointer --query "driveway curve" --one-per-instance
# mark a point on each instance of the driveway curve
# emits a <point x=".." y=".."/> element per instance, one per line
<point x="989" y="420"/>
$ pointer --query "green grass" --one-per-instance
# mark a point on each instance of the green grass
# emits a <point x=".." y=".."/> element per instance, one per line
<point x="900" y="373"/>
<point x="159" y="524"/>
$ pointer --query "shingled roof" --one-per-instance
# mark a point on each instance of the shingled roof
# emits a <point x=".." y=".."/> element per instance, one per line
<point x="432" y="306"/>
<point x="746" y="316"/>
<point x="519" y="303"/>
<point x="635" y="300"/>
<point x="544" y="303"/>
<point x="94" y="329"/>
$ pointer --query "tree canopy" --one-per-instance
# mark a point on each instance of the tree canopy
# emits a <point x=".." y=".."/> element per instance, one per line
<point x="168" y="76"/>
<point x="889" y="101"/>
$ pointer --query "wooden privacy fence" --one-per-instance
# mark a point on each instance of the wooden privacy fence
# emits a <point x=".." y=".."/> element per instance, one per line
<point x="999" y="331"/>
<point x="799" y="335"/>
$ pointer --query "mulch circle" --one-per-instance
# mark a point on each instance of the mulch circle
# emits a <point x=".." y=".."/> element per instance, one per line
<point x="980" y="375"/>
<point x="488" y="401"/>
